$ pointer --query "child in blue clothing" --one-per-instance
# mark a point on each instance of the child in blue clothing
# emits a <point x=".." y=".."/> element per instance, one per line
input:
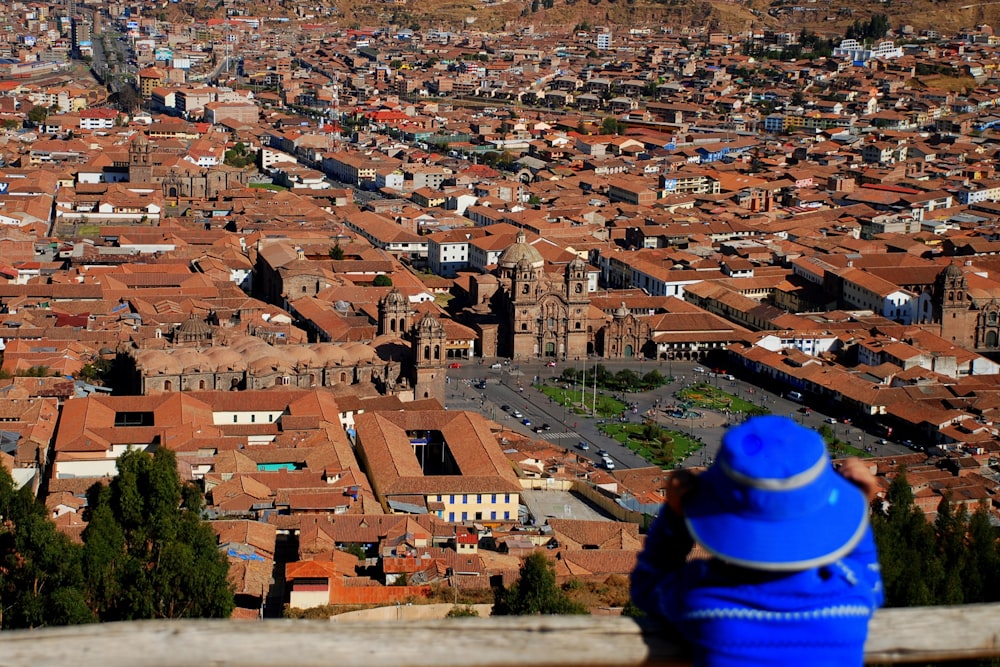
<point x="794" y="575"/>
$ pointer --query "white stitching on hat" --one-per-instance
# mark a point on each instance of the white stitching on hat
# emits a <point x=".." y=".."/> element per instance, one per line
<point x="797" y="481"/>
<point x="839" y="611"/>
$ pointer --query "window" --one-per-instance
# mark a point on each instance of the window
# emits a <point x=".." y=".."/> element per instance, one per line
<point x="451" y="517"/>
<point x="493" y="515"/>
<point x="465" y="516"/>
<point x="234" y="419"/>
<point x="451" y="499"/>
<point x="479" y="499"/>
<point x="506" y="516"/>
<point x="465" y="499"/>
<point x="506" y="499"/>
<point x="493" y="498"/>
<point x="253" y="419"/>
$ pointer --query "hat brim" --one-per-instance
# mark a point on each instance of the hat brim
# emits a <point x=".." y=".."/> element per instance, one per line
<point x="818" y="534"/>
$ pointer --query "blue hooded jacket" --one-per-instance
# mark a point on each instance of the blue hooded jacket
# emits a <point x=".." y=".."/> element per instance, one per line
<point x="737" y="617"/>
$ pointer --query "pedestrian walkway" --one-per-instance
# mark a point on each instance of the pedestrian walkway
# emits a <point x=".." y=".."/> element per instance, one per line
<point x="558" y="436"/>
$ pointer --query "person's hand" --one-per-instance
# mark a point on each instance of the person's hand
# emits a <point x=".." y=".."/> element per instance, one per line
<point x="680" y="483"/>
<point x="859" y="474"/>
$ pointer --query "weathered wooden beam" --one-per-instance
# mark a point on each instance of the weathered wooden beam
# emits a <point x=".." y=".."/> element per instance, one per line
<point x="923" y="634"/>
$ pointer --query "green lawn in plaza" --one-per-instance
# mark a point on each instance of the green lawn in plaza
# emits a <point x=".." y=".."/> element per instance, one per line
<point x="704" y="395"/>
<point x="660" y="446"/>
<point x="581" y="402"/>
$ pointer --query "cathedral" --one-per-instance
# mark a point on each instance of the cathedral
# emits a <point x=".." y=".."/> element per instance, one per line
<point x="146" y="164"/>
<point x="543" y="315"/>
<point x="423" y="345"/>
<point x="969" y="317"/>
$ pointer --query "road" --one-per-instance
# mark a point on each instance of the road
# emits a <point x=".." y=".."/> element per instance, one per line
<point x="511" y="386"/>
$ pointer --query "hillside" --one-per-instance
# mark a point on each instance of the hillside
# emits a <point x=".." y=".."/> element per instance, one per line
<point x="825" y="17"/>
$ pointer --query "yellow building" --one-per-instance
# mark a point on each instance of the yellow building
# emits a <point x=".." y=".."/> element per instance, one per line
<point x="437" y="461"/>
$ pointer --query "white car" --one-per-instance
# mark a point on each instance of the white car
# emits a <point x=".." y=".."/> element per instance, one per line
<point x="496" y="365"/>
<point x="830" y="420"/>
<point x="699" y="369"/>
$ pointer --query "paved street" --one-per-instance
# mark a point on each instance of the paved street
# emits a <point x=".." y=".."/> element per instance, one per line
<point x="511" y="386"/>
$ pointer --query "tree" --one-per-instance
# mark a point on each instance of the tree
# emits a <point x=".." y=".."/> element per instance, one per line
<point x="911" y="571"/>
<point x="336" y="252"/>
<point x="981" y="571"/>
<point x="534" y="592"/>
<point x="612" y="125"/>
<point x="653" y="378"/>
<point x="950" y="533"/>
<point x="382" y="280"/>
<point x="41" y="579"/>
<point x="147" y="552"/>
<point x="38" y="114"/>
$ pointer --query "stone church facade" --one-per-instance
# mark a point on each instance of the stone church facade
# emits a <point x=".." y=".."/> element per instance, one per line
<point x="544" y="315"/>
<point x="969" y="318"/>
<point x="190" y="182"/>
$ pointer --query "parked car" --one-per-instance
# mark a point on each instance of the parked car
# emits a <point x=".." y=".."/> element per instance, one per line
<point x="551" y="364"/>
<point x="582" y="445"/>
<point x="496" y="365"/>
<point x="454" y="364"/>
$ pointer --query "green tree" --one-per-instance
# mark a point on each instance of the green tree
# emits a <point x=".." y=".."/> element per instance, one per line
<point x="612" y="125"/>
<point x="981" y="572"/>
<point x="41" y="578"/>
<point x="911" y="570"/>
<point x="382" y="280"/>
<point x="569" y="374"/>
<point x="336" y="252"/>
<point x="950" y="529"/>
<point x="38" y="114"/>
<point x="626" y="378"/>
<point x="534" y="592"/>
<point x="653" y="378"/>
<point x="147" y="552"/>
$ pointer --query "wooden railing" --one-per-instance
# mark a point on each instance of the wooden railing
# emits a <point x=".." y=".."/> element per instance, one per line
<point x="926" y="634"/>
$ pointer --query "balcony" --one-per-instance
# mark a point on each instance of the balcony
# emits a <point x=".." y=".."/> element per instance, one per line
<point x="897" y="636"/>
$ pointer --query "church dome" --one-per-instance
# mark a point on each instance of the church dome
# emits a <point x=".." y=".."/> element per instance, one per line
<point x="394" y="298"/>
<point x="521" y="250"/>
<point x="194" y="327"/>
<point x="952" y="271"/>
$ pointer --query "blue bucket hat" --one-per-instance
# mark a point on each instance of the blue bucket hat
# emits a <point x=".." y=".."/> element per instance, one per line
<point x="773" y="501"/>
